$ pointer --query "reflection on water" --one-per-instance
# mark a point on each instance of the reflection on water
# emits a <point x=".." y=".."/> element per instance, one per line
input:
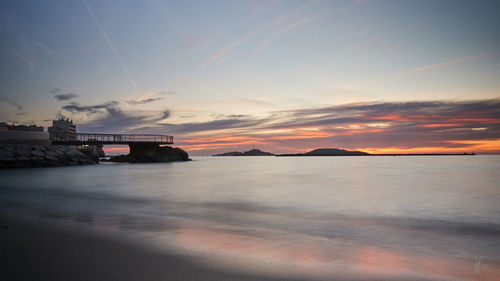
<point x="354" y="217"/>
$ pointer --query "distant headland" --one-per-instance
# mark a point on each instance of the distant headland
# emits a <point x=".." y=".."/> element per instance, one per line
<point x="330" y="152"/>
<point x="252" y="152"/>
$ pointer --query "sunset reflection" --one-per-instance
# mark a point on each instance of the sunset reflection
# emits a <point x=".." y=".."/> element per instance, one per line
<point x="283" y="254"/>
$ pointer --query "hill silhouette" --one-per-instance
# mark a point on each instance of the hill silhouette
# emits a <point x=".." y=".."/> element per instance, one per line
<point x="328" y="152"/>
<point x="253" y="152"/>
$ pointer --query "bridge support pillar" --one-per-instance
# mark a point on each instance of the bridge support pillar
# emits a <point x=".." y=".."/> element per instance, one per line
<point x="143" y="149"/>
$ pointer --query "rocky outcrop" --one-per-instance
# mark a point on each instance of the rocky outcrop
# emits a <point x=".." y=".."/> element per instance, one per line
<point x="94" y="152"/>
<point x="159" y="154"/>
<point x="253" y="152"/>
<point x="28" y="155"/>
<point x="329" y="152"/>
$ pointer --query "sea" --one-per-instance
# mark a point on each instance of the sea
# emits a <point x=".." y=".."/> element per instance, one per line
<point x="328" y="218"/>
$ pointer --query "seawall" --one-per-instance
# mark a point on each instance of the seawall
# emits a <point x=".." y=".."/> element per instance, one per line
<point x="40" y="155"/>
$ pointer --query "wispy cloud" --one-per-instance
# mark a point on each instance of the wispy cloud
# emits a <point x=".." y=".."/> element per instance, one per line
<point x="367" y="30"/>
<point x="148" y="97"/>
<point x="450" y="62"/>
<point x="370" y="41"/>
<point x="109" y="117"/>
<point x="29" y="63"/>
<point x="13" y="103"/>
<point x="55" y="90"/>
<point x="142" y="101"/>
<point x="111" y="46"/>
<point x="287" y="28"/>
<point x="274" y="23"/>
<point x="65" y="97"/>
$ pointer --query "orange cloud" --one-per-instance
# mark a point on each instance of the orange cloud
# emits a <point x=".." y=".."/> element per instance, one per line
<point x="442" y="125"/>
<point x="477" y="146"/>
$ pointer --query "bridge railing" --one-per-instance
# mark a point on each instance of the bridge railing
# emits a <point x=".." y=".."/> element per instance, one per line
<point x="110" y="138"/>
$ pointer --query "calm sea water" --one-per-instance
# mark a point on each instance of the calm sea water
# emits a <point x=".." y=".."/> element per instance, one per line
<point x="428" y="217"/>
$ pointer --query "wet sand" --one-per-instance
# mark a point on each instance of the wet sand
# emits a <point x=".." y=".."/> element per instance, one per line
<point x="40" y="249"/>
<point x="46" y="251"/>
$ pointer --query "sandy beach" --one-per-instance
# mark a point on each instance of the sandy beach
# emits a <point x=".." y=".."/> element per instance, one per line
<point x="48" y="251"/>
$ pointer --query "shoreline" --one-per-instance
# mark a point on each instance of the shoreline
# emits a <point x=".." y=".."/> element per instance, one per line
<point x="34" y="248"/>
<point x="47" y="250"/>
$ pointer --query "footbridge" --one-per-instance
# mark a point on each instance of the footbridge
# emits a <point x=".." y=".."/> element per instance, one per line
<point x="138" y="144"/>
<point x="102" y="139"/>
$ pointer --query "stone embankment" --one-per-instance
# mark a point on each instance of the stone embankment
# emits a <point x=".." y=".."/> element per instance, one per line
<point x="38" y="155"/>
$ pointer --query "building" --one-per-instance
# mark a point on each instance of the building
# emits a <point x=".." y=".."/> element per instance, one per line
<point x="29" y="128"/>
<point x="23" y="134"/>
<point x="62" y="126"/>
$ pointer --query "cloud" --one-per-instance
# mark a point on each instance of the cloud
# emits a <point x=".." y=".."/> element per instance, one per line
<point x="55" y="90"/>
<point x="148" y="97"/>
<point x="450" y="62"/>
<point x="74" y="107"/>
<point x="274" y="23"/>
<point x="110" y="118"/>
<point x="65" y="97"/>
<point x="166" y="93"/>
<point x="287" y="28"/>
<point x="12" y="103"/>
<point x="142" y="101"/>
<point x="165" y="114"/>
<point x="437" y="126"/>
<point x="111" y="46"/>
<point x="30" y="63"/>
<point x="434" y="125"/>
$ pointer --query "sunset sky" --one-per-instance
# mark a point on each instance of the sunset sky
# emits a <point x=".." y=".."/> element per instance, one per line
<point x="282" y="76"/>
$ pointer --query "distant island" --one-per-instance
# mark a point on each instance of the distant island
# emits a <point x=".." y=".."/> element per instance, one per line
<point x="253" y="152"/>
<point x="332" y="152"/>
<point x="328" y="152"/>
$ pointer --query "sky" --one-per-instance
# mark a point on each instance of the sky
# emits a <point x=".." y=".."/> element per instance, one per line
<point x="282" y="76"/>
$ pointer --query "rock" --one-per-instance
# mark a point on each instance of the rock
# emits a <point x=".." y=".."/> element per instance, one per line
<point x="63" y="160"/>
<point x="38" y="147"/>
<point x="25" y="161"/>
<point x="52" y="154"/>
<point x="26" y="155"/>
<point x="38" y="153"/>
<point x="15" y="165"/>
<point x="38" y="162"/>
<point x="22" y="152"/>
<point x="7" y="160"/>
<point x="253" y="152"/>
<point x="6" y="154"/>
<point x="54" y="161"/>
<point x="23" y="147"/>
<point x="8" y="147"/>
<point x="161" y="154"/>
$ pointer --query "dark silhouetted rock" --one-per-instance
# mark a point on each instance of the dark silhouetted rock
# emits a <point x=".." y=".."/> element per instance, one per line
<point x="253" y="152"/>
<point x="329" y="152"/>
<point x="160" y="154"/>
